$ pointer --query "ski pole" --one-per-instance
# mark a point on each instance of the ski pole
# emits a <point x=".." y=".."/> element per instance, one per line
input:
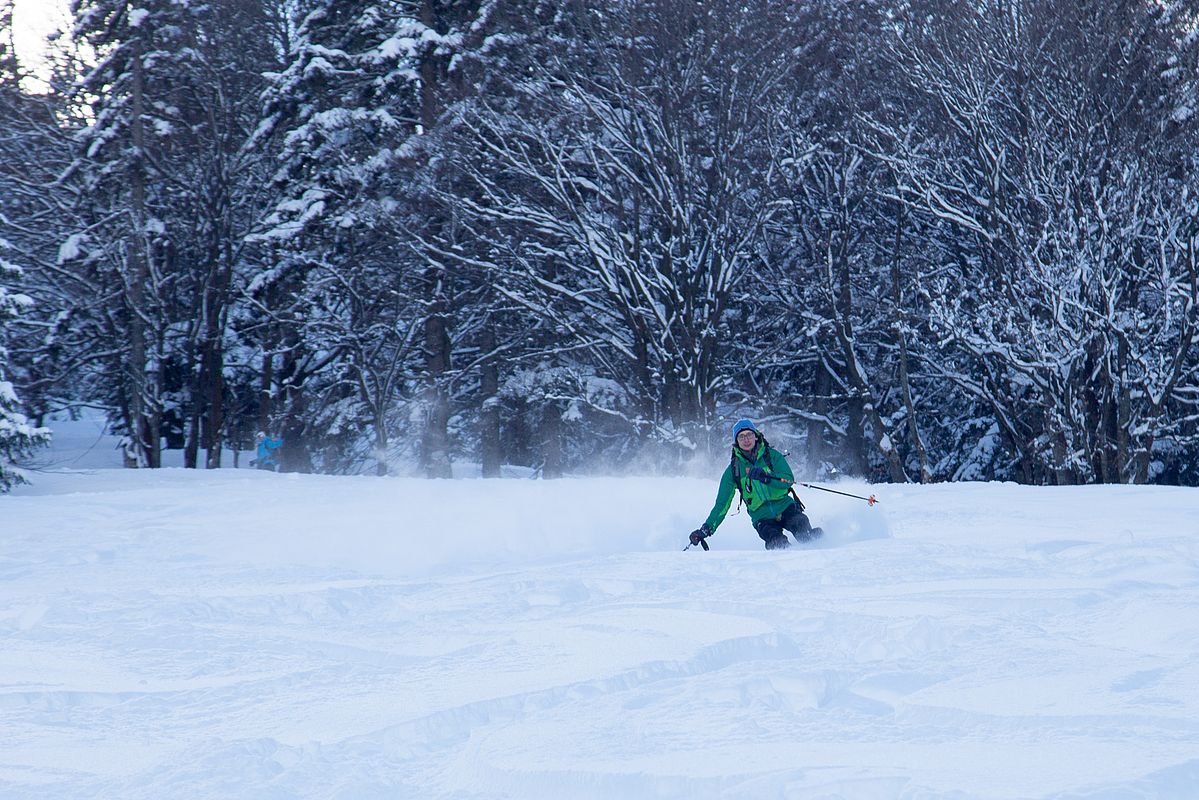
<point x="702" y="543"/>
<point x="871" y="500"/>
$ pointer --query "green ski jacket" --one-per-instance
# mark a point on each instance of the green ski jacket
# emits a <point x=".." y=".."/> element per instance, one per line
<point x="762" y="499"/>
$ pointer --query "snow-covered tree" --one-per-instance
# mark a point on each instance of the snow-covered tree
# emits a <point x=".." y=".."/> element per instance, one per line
<point x="356" y="115"/>
<point x="24" y="127"/>
<point x="36" y="213"/>
<point x="18" y="436"/>
<point x="620" y="190"/>
<point x="167" y="193"/>
<point x="827" y="354"/>
<point x="1053" y="162"/>
<point x="916" y="238"/>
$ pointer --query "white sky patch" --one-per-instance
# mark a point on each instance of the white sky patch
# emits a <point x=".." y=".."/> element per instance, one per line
<point x="33" y="21"/>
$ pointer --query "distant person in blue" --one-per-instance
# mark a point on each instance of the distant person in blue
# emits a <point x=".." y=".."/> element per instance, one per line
<point x="266" y="452"/>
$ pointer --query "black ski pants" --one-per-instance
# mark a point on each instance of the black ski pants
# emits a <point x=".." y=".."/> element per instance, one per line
<point x="792" y="519"/>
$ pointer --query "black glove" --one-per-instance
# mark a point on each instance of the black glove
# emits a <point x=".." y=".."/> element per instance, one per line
<point x="700" y="533"/>
<point x="758" y="474"/>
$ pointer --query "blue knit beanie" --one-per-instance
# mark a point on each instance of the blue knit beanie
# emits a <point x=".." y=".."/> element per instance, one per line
<point x="743" y="425"/>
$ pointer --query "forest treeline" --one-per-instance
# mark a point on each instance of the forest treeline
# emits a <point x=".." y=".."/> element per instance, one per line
<point x="918" y="240"/>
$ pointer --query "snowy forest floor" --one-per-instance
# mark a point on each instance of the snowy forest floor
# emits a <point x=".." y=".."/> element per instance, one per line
<point x="237" y="634"/>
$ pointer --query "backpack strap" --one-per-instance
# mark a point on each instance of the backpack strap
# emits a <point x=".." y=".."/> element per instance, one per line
<point x="736" y="468"/>
<point x="770" y="460"/>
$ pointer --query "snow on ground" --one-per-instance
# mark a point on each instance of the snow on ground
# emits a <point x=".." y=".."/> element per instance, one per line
<point x="239" y="634"/>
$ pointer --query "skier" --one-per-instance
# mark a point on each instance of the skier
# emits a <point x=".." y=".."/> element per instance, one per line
<point x="754" y="471"/>
<point x="266" y="452"/>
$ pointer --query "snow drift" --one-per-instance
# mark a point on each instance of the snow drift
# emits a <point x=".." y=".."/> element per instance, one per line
<point x="242" y="634"/>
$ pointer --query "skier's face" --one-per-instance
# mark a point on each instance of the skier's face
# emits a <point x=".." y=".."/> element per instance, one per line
<point x="747" y="440"/>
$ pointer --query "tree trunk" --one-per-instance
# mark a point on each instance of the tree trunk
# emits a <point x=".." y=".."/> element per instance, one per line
<point x="855" y="435"/>
<point x="822" y="387"/>
<point x="435" y="448"/>
<point x="215" y="305"/>
<point x="191" y="448"/>
<point x="265" y="393"/>
<point x="216" y="405"/>
<point x="861" y="401"/>
<point x="1123" y="400"/>
<point x="1062" y="473"/>
<point x="145" y="450"/>
<point x="491" y="454"/>
<point x="905" y="384"/>
<point x="293" y="454"/>
<point x="381" y="441"/>
<point x="191" y="434"/>
<point x="551" y="440"/>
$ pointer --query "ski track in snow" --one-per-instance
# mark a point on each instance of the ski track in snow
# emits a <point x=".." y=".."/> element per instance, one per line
<point x="239" y="634"/>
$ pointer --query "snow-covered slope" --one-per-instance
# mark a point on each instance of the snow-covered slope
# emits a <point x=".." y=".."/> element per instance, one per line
<point x="235" y="634"/>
